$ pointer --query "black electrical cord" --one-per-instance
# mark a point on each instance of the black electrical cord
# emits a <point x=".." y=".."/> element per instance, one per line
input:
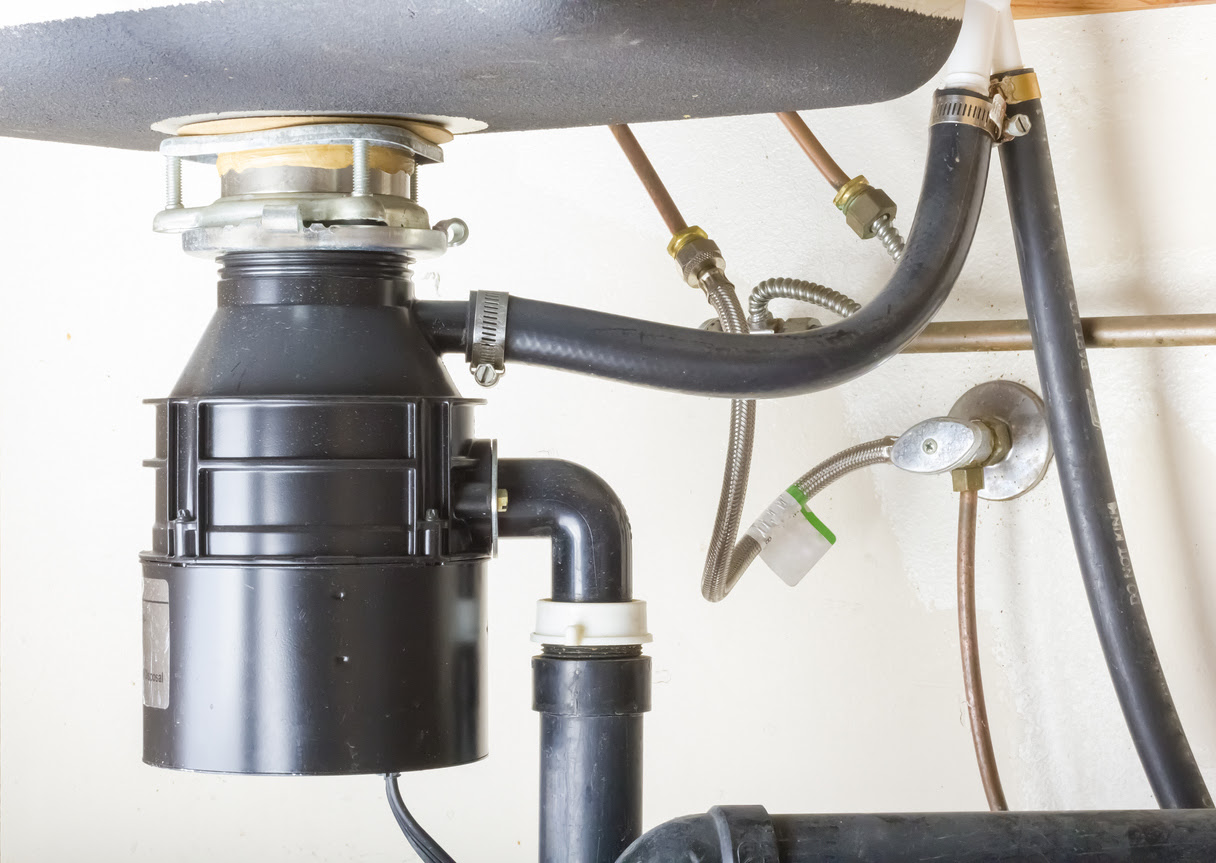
<point x="1085" y="478"/>
<point x="426" y="847"/>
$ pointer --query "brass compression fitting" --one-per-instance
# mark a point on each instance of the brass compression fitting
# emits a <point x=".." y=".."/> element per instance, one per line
<point x="870" y="212"/>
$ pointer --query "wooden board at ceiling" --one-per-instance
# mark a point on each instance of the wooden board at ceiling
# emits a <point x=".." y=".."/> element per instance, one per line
<point x="1057" y="8"/>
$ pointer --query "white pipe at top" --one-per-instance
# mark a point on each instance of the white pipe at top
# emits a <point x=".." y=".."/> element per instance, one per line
<point x="1006" y="55"/>
<point x="970" y="64"/>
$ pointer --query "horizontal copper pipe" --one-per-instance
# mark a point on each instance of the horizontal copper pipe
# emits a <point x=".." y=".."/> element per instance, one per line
<point x="1127" y="331"/>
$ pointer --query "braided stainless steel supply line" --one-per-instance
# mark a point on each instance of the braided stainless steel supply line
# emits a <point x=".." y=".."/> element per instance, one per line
<point x="720" y="561"/>
<point x="727" y="559"/>
<point x="796" y="289"/>
<point x="810" y="484"/>
<point x="844" y="462"/>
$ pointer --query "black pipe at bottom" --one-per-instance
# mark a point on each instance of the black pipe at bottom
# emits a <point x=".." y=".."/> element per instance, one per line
<point x="732" y="834"/>
<point x="591" y="701"/>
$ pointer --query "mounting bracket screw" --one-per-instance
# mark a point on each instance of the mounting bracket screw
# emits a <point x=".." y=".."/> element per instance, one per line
<point x="486" y="375"/>
<point x="359" y="178"/>
<point x="1017" y="125"/>
<point x="173" y="183"/>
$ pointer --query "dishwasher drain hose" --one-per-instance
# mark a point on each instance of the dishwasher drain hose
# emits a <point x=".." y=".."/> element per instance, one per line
<point x="697" y="362"/>
<point x="1085" y="478"/>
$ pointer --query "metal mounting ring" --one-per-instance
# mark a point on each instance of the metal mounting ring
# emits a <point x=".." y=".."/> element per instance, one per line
<point x="204" y="148"/>
<point x="1021" y="410"/>
<point x="488" y="346"/>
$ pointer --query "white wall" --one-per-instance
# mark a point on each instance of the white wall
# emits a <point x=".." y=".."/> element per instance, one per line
<point x="841" y="695"/>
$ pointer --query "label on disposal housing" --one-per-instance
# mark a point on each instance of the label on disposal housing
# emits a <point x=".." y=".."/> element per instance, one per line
<point x="156" y="643"/>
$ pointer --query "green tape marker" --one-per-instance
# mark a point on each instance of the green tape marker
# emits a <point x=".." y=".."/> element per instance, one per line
<point x="796" y="494"/>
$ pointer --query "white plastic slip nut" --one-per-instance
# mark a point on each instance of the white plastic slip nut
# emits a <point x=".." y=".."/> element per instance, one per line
<point x="591" y="624"/>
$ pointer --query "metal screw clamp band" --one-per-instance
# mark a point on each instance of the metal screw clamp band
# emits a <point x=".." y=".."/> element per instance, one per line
<point x="488" y="345"/>
<point x="1021" y="85"/>
<point x="966" y="110"/>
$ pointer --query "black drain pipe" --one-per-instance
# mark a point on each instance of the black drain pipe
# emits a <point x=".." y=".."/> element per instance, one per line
<point x="591" y="698"/>
<point x="1089" y="493"/>
<point x="583" y="517"/>
<point x="732" y="834"/>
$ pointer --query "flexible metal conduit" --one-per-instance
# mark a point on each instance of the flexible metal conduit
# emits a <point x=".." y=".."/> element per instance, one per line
<point x="1085" y="478"/>
<point x="800" y="290"/>
<point x="717" y="364"/>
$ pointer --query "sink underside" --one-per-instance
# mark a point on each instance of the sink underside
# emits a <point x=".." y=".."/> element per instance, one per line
<point x="506" y="65"/>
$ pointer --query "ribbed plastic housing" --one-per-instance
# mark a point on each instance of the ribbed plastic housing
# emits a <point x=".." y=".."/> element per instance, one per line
<point x="313" y="603"/>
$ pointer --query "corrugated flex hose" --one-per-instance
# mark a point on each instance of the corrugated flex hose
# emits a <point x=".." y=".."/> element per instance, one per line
<point x="800" y="290"/>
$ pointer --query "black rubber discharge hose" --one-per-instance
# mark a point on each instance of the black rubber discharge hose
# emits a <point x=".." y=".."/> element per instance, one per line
<point x="742" y="367"/>
<point x="1089" y="495"/>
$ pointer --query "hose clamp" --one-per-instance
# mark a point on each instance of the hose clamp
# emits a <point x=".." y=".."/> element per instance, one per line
<point x="1011" y="89"/>
<point x="1021" y="85"/>
<point x="488" y="346"/>
<point x="969" y="111"/>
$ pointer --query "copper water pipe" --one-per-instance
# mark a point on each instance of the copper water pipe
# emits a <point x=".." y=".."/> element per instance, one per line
<point x="810" y="145"/>
<point x="650" y="178"/>
<point x="973" y="683"/>
<point x="1124" y="331"/>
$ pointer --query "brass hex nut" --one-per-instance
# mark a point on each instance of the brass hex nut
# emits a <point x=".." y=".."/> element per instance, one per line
<point x="866" y="209"/>
<point x="697" y="256"/>
<point x="968" y="478"/>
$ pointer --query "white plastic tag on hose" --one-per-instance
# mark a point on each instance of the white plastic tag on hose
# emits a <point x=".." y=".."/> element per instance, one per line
<point x="792" y="538"/>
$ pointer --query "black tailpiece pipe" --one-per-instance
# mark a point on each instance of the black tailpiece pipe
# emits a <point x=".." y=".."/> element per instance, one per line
<point x="582" y="516"/>
<point x="728" y="834"/>
<point x="591" y="701"/>
<point x="740" y="367"/>
<point x="1089" y="494"/>
<point x="591" y="698"/>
